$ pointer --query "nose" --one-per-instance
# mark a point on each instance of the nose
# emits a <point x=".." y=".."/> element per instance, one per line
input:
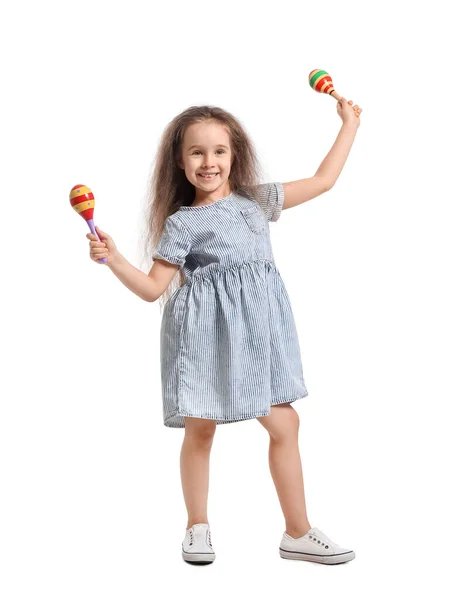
<point x="208" y="162"/>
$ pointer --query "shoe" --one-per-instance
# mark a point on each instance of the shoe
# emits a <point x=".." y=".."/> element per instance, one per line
<point x="314" y="546"/>
<point x="196" y="547"/>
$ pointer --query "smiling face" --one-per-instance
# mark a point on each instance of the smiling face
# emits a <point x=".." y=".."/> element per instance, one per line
<point x="206" y="149"/>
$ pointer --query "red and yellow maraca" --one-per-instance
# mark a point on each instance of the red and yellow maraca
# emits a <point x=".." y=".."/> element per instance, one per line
<point x="82" y="201"/>
<point x="320" y="81"/>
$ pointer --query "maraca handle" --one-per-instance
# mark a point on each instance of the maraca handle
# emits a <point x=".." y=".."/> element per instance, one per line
<point x="94" y="232"/>
<point x="335" y="95"/>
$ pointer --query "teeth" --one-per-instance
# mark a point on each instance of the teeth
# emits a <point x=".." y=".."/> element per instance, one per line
<point x="209" y="176"/>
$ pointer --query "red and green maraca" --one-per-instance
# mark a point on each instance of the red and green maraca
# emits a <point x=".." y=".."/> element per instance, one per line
<point x="82" y="201"/>
<point x="321" y="82"/>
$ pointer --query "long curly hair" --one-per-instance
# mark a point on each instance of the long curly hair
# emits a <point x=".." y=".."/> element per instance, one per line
<point x="169" y="188"/>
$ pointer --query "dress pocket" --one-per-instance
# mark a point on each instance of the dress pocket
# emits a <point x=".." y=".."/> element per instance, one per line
<point x="254" y="218"/>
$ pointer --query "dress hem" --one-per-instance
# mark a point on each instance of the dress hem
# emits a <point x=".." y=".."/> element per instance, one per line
<point x="221" y="421"/>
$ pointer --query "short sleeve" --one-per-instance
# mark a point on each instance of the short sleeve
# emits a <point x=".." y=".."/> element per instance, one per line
<point x="271" y="198"/>
<point x="174" y="243"/>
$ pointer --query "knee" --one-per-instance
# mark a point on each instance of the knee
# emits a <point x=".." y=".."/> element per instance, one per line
<point x="287" y="426"/>
<point x="200" y="431"/>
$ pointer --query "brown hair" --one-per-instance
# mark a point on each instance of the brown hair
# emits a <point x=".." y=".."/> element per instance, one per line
<point x="170" y="188"/>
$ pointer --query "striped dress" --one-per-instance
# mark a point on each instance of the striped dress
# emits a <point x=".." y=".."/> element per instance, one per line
<point x="229" y="346"/>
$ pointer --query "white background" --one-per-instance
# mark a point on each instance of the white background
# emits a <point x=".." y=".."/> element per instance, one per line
<point x="91" y="504"/>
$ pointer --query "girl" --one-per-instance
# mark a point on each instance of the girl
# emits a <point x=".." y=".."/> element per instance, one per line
<point x="229" y="347"/>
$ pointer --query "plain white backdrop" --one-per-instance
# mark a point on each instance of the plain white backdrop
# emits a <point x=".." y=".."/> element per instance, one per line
<point x="91" y="504"/>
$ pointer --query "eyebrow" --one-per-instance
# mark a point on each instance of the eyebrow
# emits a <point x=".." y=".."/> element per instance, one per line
<point x="200" y="145"/>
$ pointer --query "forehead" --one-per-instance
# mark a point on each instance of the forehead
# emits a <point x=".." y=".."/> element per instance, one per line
<point x="209" y="133"/>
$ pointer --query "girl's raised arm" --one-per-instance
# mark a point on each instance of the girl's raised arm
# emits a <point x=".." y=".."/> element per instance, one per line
<point x="298" y="192"/>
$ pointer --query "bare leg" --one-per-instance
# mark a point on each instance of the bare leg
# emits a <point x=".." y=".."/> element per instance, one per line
<point x="285" y="466"/>
<point x="195" y="466"/>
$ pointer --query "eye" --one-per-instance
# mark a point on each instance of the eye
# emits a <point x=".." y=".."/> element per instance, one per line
<point x="220" y="150"/>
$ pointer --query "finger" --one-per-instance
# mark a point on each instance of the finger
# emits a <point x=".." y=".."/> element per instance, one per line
<point x="100" y="231"/>
<point x="97" y="244"/>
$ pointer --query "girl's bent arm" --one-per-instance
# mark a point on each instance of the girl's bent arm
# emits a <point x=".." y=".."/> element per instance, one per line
<point x="333" y="163"/>
<point x="302" y="190"/>
<point x="147" y="287"/>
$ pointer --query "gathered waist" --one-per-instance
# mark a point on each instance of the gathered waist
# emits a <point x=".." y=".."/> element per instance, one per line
<point x="208" y="271"/>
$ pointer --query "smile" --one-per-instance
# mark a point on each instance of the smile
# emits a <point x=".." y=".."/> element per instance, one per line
<point x="211" y="176"/>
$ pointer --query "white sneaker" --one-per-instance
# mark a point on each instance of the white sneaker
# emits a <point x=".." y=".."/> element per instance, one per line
<point x="196" y="547"/>
<point x="314" y="546"/>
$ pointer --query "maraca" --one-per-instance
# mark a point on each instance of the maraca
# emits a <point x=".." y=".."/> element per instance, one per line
<point x="321" y="81"/>
<point x="82" y="200"/>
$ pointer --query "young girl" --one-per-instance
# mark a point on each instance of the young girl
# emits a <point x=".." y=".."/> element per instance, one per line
<point x="229" y="347"/>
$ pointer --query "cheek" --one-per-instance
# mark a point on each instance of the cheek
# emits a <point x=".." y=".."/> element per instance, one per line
<point x="192" y="163"/>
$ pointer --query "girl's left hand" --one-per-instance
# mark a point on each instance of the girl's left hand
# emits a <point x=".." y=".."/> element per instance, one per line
<point x="347" y="112"/>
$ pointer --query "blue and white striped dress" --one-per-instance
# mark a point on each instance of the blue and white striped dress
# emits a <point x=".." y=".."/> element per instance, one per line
<point x="229" y="346"/>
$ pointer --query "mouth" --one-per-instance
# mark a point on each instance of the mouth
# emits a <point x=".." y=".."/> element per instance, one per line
<point x="208" y="176"/>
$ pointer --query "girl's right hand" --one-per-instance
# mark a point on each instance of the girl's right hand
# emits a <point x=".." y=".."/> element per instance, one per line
<point x="348" y="113"/>
<point x="104" y="248"/>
